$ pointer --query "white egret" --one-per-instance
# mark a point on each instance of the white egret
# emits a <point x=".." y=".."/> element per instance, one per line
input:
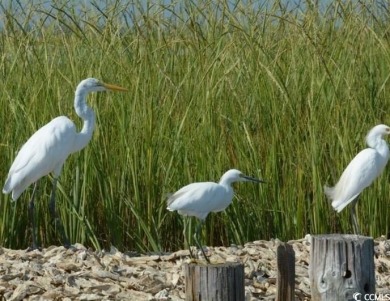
<point x="361" y="172"/>
<point x="48" y="148"/>
<point x="199" y="199"/>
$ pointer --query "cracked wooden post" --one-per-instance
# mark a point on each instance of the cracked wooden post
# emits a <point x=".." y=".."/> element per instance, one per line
<point x="215" y="282"/>
<point x="285" y="261"/>
<point x="341" y="266"/>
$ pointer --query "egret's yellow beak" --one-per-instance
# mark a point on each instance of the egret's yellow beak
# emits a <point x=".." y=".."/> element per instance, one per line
<point x="114" y="87"/>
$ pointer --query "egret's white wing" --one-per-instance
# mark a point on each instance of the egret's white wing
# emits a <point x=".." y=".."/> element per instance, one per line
<point x="44" y="152"/>
<point x="197" y="199"/>
<point x="360" y="173"/>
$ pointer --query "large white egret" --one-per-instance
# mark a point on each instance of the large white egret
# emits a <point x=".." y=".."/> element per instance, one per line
<point x="199" y="199"/>
<point x="48" y="148"/>
<point x="361" y="172"/>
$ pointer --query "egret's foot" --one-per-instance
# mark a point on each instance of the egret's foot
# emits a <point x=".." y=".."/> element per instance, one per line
<point x="191" y="253"/>
<point x="208" y="260"/>
<point x="199" y="261"/>
<point x="68" y="245"/>
<point x="33" y="248"/>
<point x="71" y="248"/>
<point x="204" y="255"/>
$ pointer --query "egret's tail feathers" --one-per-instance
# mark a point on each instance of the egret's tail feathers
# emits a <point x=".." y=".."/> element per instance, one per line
<point x="172" y="197"/>
<point x="339" y="205"/>
<point x="7" y="187"/>
<point x="169" y="200"/>
<point x="336" y="204"/>
<point x="329" y="192"/>
<point x="339" y="202"/>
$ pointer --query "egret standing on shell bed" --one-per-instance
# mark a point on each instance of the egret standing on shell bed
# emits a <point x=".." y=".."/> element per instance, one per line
<point x="47" y="150"/>
<point x="361" y="172"/>
<point x="199" y="199"/>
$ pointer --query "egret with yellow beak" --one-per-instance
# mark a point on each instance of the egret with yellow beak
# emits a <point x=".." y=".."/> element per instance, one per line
<point x="48" y="148"/>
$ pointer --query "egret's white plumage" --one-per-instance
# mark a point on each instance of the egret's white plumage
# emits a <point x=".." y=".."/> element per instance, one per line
<point x="48" y="148"/>
<point x="45" y="152"/>
<point x="361" y="171"/>
<point x="199" y="199"/>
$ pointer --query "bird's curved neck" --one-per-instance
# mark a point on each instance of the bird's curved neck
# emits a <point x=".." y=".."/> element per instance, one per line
<point x="379" y="144"/>
<point x="225" y="181"/>
<point x="88" y="115"/>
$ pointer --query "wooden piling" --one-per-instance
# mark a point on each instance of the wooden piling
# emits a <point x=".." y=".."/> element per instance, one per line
<point x="285" y="283"/>
<point x="215" y="282"/>
<point x="340" y="266"/>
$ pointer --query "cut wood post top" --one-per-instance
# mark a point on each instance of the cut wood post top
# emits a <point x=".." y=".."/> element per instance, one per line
<point x="214" y="265"/>
<point x="338" y="236"/>
<point x="341" y="265"/>
<point x="219" y="282"/>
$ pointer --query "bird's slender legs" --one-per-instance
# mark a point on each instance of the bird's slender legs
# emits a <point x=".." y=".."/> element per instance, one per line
<point x="355" y="225"/>
<point x="186" y="242"/>
<point x="31" y="206"/>
<point x="196" y="237"/>
<point x="57" y="221"/>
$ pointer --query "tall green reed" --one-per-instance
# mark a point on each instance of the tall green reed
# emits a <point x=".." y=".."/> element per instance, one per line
<point x="278" y="92"/>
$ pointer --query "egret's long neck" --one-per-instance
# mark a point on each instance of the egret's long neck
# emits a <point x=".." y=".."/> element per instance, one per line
<point x="377" y="142"/>
<point x="226" y="182"/>
<point x="88" y="115"/>
<point x="383" y="149"/>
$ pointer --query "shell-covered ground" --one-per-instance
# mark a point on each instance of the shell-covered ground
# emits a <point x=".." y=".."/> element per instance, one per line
<point x="56" y="273"/>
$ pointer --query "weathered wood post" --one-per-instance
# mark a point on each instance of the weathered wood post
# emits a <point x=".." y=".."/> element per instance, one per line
<point x="285" y="261"/>
<point x="215" y="282"/>
<point x="341" y="266"/>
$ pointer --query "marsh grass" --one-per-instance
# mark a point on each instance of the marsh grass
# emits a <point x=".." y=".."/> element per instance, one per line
<point x="282" y="93"/>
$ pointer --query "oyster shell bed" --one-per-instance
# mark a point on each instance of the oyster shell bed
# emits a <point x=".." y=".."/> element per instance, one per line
<point x="56" y="273"/>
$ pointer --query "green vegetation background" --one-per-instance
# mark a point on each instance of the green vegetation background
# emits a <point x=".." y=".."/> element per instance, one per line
<point x="282" y="93"/>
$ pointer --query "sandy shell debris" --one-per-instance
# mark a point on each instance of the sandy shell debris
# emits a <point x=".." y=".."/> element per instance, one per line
<point x="57" y="273"/>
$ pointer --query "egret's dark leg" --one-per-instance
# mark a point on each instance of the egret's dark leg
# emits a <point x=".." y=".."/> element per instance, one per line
<point x="196" y="236"/>
<point x="57" y="221"/>
<point x="186" y="242"/>
<point x="355" y="225"/>
<point x="31" y="206"/>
